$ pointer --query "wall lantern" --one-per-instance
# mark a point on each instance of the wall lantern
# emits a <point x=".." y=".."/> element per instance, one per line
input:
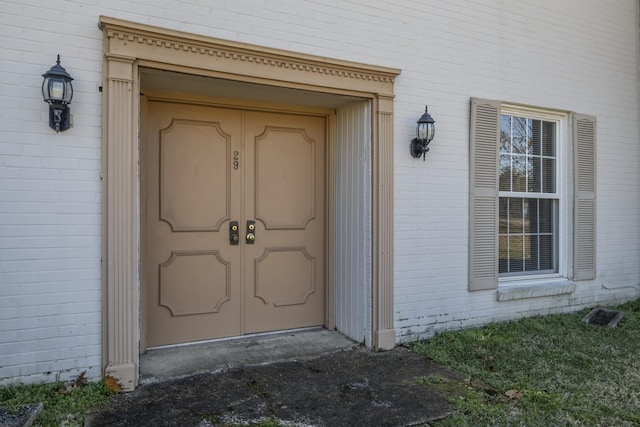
<point x="57" y="92"/>
<point x="425" y="132"/>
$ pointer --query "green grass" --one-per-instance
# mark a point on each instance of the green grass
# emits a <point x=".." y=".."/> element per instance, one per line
<point x="558" y="370"/>
<point x="66" y="410"/>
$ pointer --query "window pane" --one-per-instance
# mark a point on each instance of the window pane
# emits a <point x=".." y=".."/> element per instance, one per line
<point x="520" y="135"/>
<point x="503" y="212"/>
<point x="547" y="253"/>
<point x="515" y="216"/>
<point x="549" y="175"/>
<point x="505" y="172"/>
<point x="503" y="254"/>
<point x="516" y="254"/>
<point x="549" y="139"/>
<point x="505" y="134"/>
<point x="519" y="173"/>
<point x="531" y="253"/>
<point x="536" y="128"/>
<point x="534" y="175"/>
<point x="546" y="215"/>
<point x="530" y="215"/>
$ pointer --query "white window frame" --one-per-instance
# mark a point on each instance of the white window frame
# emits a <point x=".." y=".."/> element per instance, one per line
<point x="562" y="190"/>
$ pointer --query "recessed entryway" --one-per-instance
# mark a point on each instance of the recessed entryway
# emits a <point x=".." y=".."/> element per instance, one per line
<point x="131" y="47"/>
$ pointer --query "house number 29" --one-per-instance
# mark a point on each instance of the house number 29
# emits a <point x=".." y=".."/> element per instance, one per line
<point x="236" y="159"/>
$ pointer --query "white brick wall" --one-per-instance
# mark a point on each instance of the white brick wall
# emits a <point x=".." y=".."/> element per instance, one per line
<point x="50" y="199"/>
<point x="577" y="55"/>
<point x="563" y="55"/>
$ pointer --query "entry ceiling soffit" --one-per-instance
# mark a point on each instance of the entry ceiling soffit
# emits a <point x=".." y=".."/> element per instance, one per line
<point x="227" y="59"/>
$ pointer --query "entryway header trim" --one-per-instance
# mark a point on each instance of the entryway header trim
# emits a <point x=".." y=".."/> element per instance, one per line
<point x="240" y="59"/>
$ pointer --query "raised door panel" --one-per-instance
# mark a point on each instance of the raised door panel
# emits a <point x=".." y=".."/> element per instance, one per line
<point x="285" y="277"/>
<point x="194" y="171"/>
<point x="194" y="282"/>
<point x="284" y="178"/>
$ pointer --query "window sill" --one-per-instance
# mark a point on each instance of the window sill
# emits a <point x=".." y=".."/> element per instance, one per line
<point x="535" y="289"/>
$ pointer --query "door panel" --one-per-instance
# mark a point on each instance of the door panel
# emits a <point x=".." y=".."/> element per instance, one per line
<point x="191" y="193"/>
<point x="285" y="193"/>
<point x="206" y="167"/>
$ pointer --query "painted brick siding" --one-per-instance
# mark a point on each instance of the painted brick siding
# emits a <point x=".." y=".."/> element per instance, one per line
<point x="50" y="199"/>
<point x="575" y="55"/>
<point x="561" y="55"/>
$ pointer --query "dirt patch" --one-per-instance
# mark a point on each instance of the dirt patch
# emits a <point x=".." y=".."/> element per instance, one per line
<point x="350" y="388"/>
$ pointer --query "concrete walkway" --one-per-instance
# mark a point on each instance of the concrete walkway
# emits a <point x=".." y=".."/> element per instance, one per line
<point x="312" y="378"/>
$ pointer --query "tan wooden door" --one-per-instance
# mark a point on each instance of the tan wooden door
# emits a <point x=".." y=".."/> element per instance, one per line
<point x="206" y="169"/>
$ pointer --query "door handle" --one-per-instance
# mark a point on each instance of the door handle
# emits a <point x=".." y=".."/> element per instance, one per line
<point x="251" y="232"/>
<point x="234" y="233"/>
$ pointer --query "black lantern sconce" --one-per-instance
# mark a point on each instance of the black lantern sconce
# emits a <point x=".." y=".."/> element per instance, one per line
<point x="57" y="92"/>
<point x="425" y="133"/>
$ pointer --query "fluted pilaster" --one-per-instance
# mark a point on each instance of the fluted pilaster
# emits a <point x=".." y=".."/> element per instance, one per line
<point x="121" y="264"/>
<point x="384" y="331"/>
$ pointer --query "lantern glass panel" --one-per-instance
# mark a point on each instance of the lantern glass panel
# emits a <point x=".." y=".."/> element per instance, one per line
<point x="426" y="131"/>
<point x="57" y="90"/>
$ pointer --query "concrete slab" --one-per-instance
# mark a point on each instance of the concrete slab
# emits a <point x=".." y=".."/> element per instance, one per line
<point x="352" y="387"/>
<point x="179" y="361"/>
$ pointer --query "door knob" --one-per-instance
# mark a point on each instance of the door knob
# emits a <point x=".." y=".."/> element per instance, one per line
<point x="251" y="232"/>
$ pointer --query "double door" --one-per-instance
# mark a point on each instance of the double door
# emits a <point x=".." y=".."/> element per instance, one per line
<point x="234" y="226"/>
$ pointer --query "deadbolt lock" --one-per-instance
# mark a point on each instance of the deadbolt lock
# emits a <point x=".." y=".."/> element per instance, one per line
<point x="234" y="234"/>
<point x="251" y="233"/>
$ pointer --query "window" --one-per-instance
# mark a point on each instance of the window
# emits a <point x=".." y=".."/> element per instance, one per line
<point x="529" y="197"/>
<point x="516" y="196"/>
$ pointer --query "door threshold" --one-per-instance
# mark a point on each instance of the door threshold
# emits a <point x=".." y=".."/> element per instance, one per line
<point x="177" y="361"/>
